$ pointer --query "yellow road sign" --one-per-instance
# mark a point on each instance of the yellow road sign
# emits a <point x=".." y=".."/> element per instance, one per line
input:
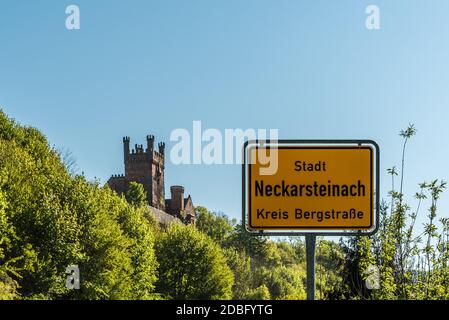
<point x="324" y="187"/>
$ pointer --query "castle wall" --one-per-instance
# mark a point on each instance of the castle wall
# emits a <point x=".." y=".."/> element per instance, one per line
<point x="118" y="183"/>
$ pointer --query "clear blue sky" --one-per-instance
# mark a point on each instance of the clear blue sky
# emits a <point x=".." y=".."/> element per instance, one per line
<point x="308" y="68"/>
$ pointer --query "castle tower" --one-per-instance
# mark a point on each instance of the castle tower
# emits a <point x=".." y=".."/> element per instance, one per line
<point x="177" y="199"/>
<point x="125" y="147"/>
<point x="147" y="167"/>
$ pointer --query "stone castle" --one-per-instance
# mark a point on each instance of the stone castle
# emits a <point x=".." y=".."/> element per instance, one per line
<point x="146" y="166"/>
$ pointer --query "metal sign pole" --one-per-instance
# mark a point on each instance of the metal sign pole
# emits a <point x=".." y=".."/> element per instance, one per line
<point x="310" y="253"/>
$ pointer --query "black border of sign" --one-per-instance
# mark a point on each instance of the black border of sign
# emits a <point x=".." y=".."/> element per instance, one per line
<point x="313" y="144"/>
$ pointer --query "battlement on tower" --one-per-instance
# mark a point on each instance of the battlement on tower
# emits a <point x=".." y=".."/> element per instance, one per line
<point x="141" y="154"/>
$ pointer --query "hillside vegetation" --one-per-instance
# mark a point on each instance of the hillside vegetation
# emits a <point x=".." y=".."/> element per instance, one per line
<point x="51" y="218"/>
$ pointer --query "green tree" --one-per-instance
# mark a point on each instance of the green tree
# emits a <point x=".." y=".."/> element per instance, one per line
<point x="218" y="227"/>
<point x="410" y="266"/>
<point x="136" y="195"/>
<point x="240" y="265"/>
<point x="283" y="282"/>
<point x="191" y="265"/>
<point x="329" y="268"/>
<point x="254" y="246"/>
<point x="260" y="293"/>
<point x="50" y="219"/>
<point x="8" y="287"/>
<point x="143" y="258"/>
